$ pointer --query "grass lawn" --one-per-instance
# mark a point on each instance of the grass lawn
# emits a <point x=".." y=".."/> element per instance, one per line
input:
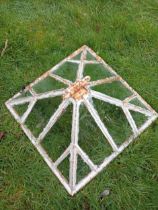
<point x="40" y="34"/>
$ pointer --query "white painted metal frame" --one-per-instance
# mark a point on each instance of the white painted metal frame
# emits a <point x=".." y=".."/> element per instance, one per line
<point x="74" y="149"/>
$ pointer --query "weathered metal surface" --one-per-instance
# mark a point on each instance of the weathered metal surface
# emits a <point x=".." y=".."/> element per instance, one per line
<point x="79" y="93"/>
<point x="78" y="89"/>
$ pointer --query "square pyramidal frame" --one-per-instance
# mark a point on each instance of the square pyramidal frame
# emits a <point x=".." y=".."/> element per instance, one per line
<point x="80" y="115"/>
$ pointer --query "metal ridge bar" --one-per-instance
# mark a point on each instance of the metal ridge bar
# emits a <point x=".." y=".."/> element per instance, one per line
<point x="53" y="119"/>
<point x="100" y="124"/>
<point x="86" y="158"/>
<point x="63" y="156"/>
<point x="60" y="79"/>
<point x="120" y="103"/>
<point x="104" y="81"/>
<point x="48" y="94"/>
<point x="74" y="142"/>
<point x="130" y="120"/>
<point x="30" y="107"/>
<point x="81" y="65"/>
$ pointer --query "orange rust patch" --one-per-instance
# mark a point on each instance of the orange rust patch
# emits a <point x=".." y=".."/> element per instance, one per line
<point x="78" y="89"/>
